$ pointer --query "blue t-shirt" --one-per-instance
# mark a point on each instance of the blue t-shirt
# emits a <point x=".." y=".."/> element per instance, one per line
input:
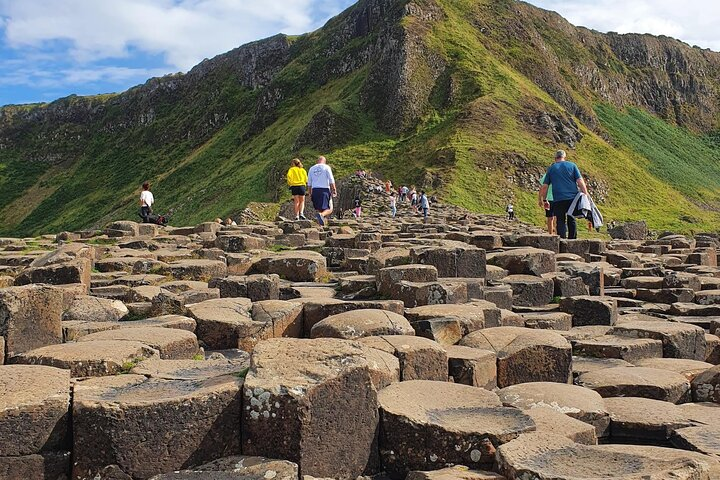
<point x="563" y="177"/>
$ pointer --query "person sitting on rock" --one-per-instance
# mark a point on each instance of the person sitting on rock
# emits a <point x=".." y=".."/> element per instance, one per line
<point x="146" y="202"/>
<point x="297" y="178"/>
<point x="230" y="222"/>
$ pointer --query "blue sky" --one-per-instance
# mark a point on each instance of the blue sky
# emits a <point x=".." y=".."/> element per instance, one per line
<point x="53" y="48"/>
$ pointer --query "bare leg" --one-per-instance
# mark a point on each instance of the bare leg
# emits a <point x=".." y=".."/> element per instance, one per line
<point x="302" y="205"/>
<point x="296" y="201"/>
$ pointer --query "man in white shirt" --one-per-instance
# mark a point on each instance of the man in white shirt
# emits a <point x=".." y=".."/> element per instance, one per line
<point x="321" y="184"/>
<point x="146" y="201"/>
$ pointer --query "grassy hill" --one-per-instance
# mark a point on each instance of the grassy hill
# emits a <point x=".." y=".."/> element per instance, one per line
<point x="468" y="99"/>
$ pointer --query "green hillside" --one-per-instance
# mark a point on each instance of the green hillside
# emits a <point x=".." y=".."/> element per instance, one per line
<point x="470" y="105"/>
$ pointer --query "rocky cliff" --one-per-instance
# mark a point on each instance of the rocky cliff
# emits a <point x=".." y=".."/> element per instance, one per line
<point x="464" y="97"/>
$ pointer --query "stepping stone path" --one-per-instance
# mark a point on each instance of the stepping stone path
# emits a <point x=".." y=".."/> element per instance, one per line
<point x="465" y="347"/>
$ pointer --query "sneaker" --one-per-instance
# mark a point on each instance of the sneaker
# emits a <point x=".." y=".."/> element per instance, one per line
<point x="320" y="219"/>
<point x="297" y="218"/>
<point x="302" y="217"/>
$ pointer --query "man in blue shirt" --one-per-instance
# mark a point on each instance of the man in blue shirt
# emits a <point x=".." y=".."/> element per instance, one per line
<point x="566" y="182"/>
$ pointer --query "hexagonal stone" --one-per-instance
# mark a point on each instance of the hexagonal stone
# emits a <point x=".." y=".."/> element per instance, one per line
<point x="464" y="261"/>
<point x="320" y="308"/>
<point x="525" y="355"/>
<point x="75" y="271"/>
<point x="414" y="294"/>
<point x="93" y="309"/>
<point x="219" y="321"/>
<point x="588" y="364"/>
<point x="296" y="266"/>
<point x="542" y="455"/>
<point x="390" y="276"/>
<point x="577" y="402"/>
<point x="471" y="317"/>
<point x="191" y="369"/>
<point x="173" y="344"/>
<point x="688" y="368"/>
<point x="472" y="366"/>
<point x="548" y="321"/>
<point x="530" y="291"/>
<point x="587" y="310"/>
<point x="613" y="346"/>
<point x="198" y="270"/>
<point x="638" y="382"/>
<point x="196" y="421"/>
<point x="635" y="419"/>
<point x="254" y="287"/>
<point x="429" y="425"/>
<point x="239" y="243"/>
<point x="553" y="422"/>
<point x="524" y="261"/>
<point x="679" y="340"/>
<point x="706" y="386"/>
<point x="362" y="323"/>
<point x="420" y="358"/>
<point x="312" y="402"/>
<point x="704" y="439"/>
<point x="88" y="359"/>
<point x="33" y="410"/>
<point x="30" y="317"/>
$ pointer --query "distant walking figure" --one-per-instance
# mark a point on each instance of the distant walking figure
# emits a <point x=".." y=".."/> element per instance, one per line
<point x="146" y="202"/>
<point x="510" y="211"/>
<point x="566" y="180"/>
<point x="322" y="189"/>
<point x="424" y="204"/>
<point x="357" y="203"/>
<point x="297" y="178"/>
<point x="393" y="204"/>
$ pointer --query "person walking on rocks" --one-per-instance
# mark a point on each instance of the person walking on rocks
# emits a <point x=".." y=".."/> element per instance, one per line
<point x="565" y="179"/>
<point x="424" y="205"/>
<point x="357" y="203"/>
<point x="297" y="178"/>
<point x="510" y="210"/>
<point x="322" y="188"/>
<point x="404" y="194"/>
<point x="146" y="202"/>
<point x="393" y="204"/>
<point x="388" y="186"/>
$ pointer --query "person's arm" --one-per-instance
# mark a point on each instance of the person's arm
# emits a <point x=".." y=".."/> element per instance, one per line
<point x="542" y="195"/>
<point x="333" y="188"/>
<point x="582" y="186"/>
<point x="288" y="176"/>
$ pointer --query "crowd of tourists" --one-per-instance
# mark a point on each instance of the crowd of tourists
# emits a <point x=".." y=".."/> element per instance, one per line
<point x="563" y="196"/>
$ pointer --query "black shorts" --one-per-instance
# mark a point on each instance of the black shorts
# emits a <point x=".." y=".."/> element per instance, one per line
<point x="549" y="213"/>
<point x="297" y="191"/>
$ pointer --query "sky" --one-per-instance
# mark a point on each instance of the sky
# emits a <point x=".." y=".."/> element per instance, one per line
<point x="54" y="48"/>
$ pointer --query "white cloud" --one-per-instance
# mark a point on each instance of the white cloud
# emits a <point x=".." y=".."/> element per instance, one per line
<point x="183" y="31"/>
<point x="693" y="21"/>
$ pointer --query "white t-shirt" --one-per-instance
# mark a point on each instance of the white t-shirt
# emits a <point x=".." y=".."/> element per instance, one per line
<point x="147" y="198"/>
<point x="320" y="176"/>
